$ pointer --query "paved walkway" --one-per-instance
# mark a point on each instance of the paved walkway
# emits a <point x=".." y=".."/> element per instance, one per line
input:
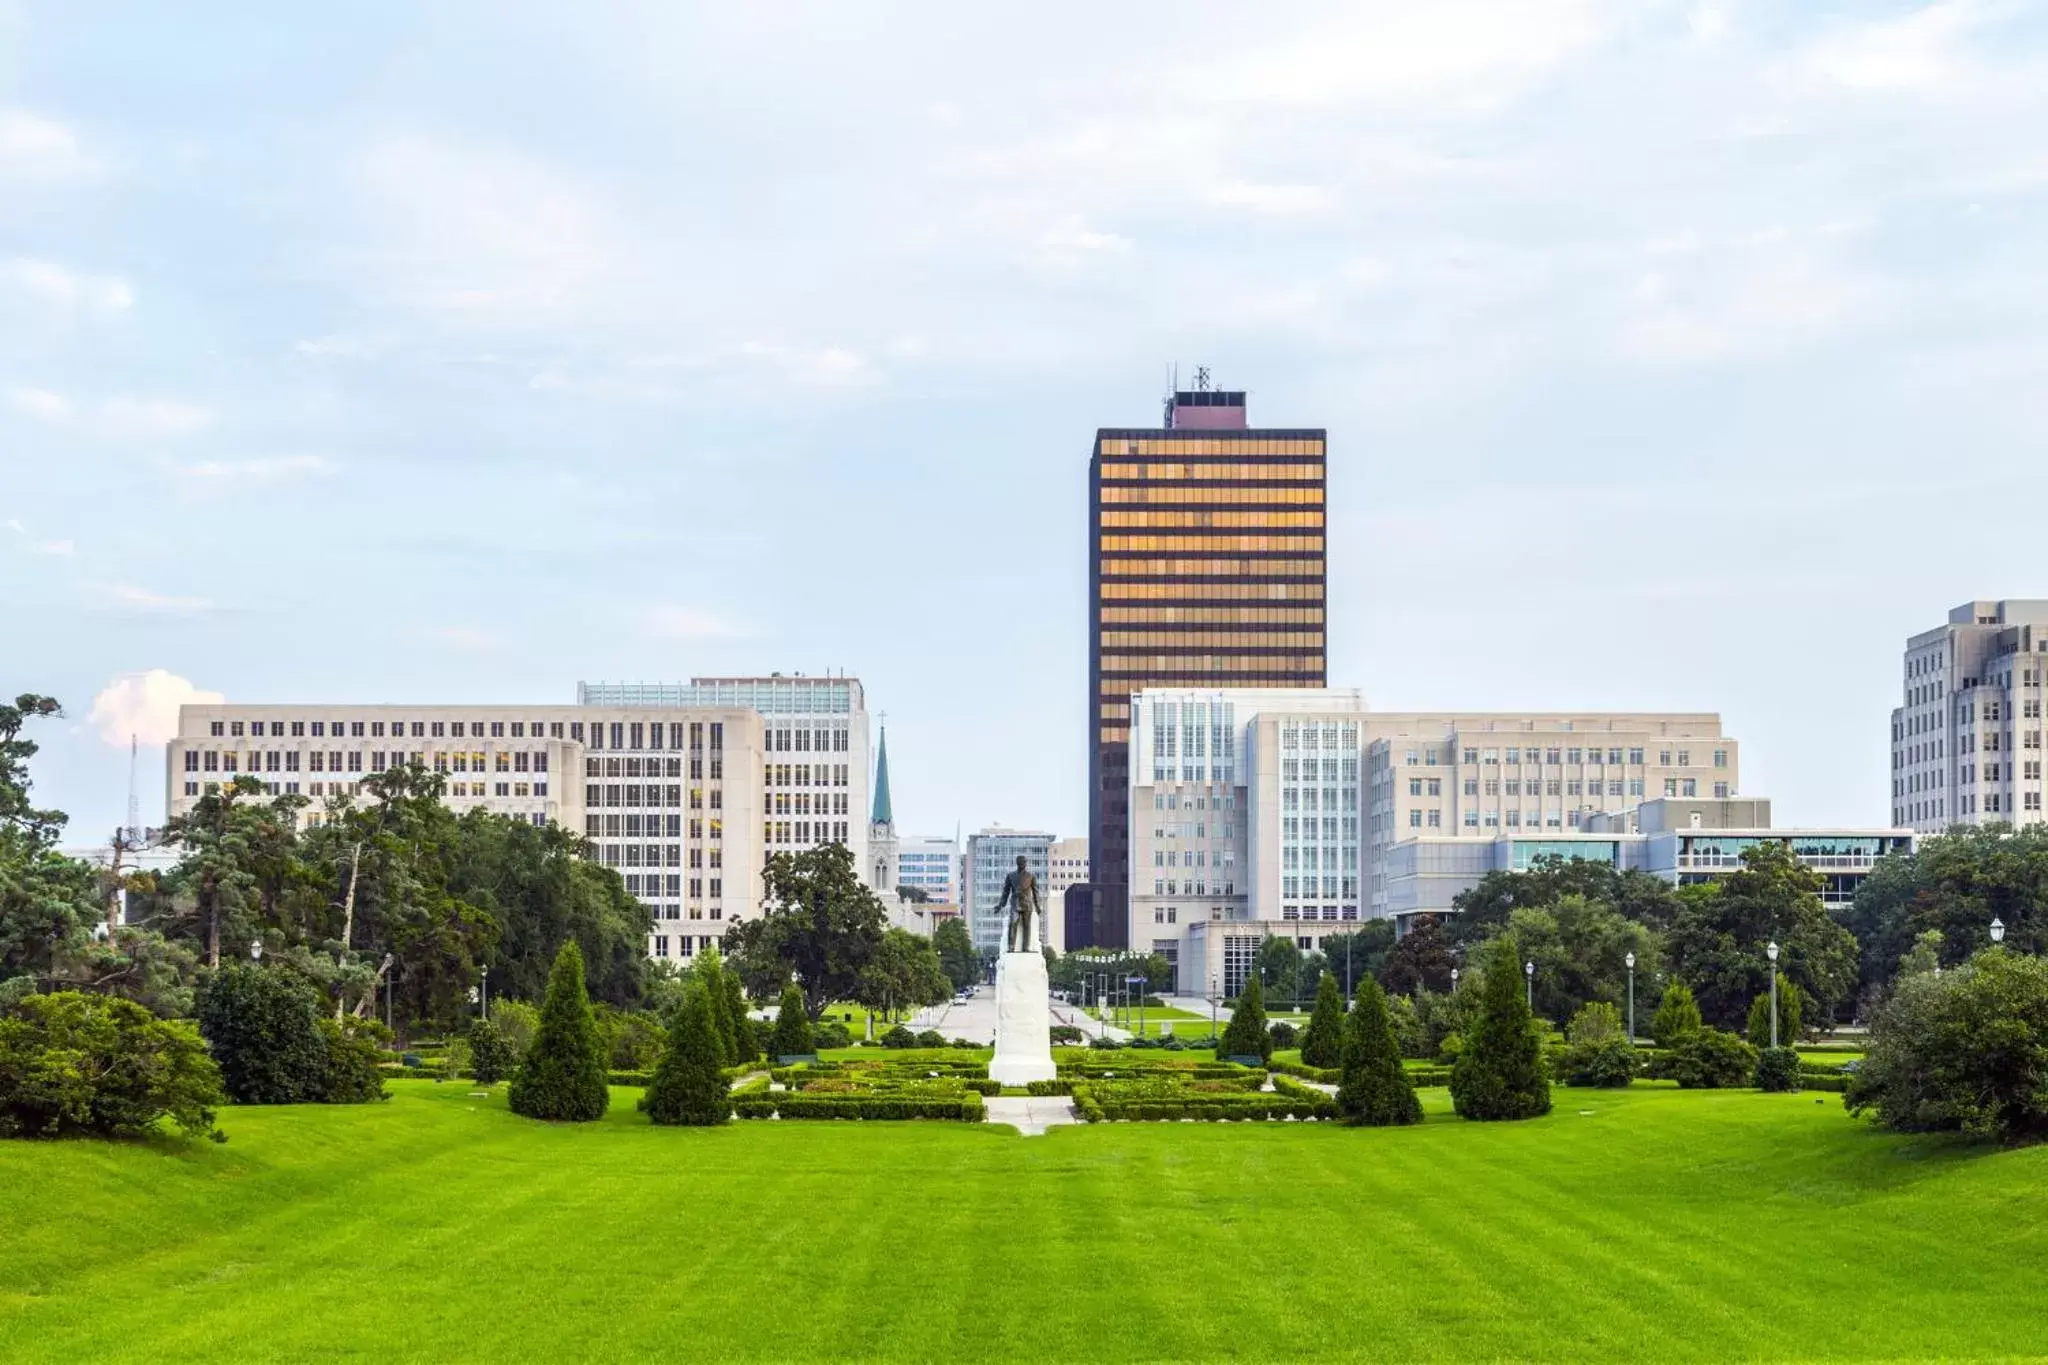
<point x="1031" y="1115"/>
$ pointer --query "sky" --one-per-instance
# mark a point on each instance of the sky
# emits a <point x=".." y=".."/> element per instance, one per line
<point x="1673" y="356"/>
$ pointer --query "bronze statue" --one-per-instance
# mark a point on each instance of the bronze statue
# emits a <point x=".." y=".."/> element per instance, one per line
<point x="1020" y="890"/>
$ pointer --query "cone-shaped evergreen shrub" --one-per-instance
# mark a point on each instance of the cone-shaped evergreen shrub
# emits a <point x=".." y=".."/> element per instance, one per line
<point x="1499" y="1073"/>
<point x="1245" y="1035"/>
<point x="1678" y="1013"/>
<point x="562" y="1076"/>
<point x="710" y="970"/>
<point x="746" y="1043"/>
<point x="687" y="1087"/>
<point x="1322" y="1044"/>
<point x="1375" y="1090"/>
<point x="792" y="1036"/>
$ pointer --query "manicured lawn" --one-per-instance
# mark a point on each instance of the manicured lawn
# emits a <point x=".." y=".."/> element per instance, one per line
<point x="1646" y="1224"/>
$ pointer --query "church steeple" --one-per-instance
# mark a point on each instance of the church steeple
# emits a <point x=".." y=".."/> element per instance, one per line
<point x="884" y="813"/>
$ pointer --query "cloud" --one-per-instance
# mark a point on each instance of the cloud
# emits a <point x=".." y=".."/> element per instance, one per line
<point x="115" y="418"/>
<point x="156" y="603"/>
<point x="1276" y="200"/>
<point x="60" y="549"/>
<point x="64" y="290"/>
<point x="822" y="367"/>
<point x="1916" y="52"/>
<point x="145" y="706"/>
<point x="465" y="637"/>
<point x="264" y="470"/>
<point x="33" y="148"/>
<point x="688" y="623"/>
<point x="476" y="234"/>
<point x="1747" y="298"/>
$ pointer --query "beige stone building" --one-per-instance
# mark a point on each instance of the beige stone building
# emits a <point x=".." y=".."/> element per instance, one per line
<point x="676" y="799"/>
<point x="1966" y="740"/>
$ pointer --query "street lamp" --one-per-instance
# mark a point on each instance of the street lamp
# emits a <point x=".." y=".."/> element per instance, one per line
<point x="1997" y="931"/>
<point x="1771" y="951"/>
<point x="1630" y="959"/>
<point x="1529" y="977"/>
<point x="256" y="951"/>
<point x="387" y="989"/>
<point x="1454" y="981"/>
<point x="484" y="993"/>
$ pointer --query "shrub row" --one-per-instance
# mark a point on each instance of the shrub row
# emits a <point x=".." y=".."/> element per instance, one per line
<point x="1327" y="1075"/>
<point x="1210" y="1108"/>
<point x="796" y="1105"/>
<point x="1063" y="1086"/>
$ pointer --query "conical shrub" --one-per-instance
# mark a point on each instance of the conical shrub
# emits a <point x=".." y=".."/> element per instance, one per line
<point x="1499" y="1073"/>
<point x="1245" y="1035"/>
<point x="710" y="970"/>
<point x="746" y="1047"/>
<point x="1322" y="1043"/>
<point x="792" y="1035"/>
<point x="562" y="1076"/>
<point x="1375" y="1089"/>
<point x="688" y="1088"/>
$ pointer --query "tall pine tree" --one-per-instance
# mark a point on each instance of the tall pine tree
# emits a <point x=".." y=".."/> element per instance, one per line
<point x="1499" y="1073"/>
<point x="746" y="1046"/>
<point x="563" y="1074"/>
<point x="1246" y="1034"/>
<point x="792" y="1036"/>
<point x="1375" y="1089"/>
<point x="711" y="971"/>
<point x="1322" y="1044"/>
<point x="688" y="1087"/>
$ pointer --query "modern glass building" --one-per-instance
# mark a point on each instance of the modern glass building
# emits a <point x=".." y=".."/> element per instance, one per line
<point x="1206" y="567"/>
<point x="991" y="856"/>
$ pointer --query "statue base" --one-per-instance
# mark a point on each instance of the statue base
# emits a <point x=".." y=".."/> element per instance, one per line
<point x="1023" y="1021"/>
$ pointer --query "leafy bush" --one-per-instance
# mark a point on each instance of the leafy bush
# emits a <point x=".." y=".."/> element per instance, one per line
<point x="1499" y="1073"/>
<point x="1322" y="1042"/>
<point x="633" y="1040"/>
<point x="263" y="1027"/>
<point x="899" y="1037"/>
<point x="562" y="1076"/>
<point x="1777" y="1070"/>
<point x="78" y="1064"/>
<point x="1677" y="1013"/>
<point x="1966" y="1051"/>
<point x="1598" y="1022"/>
<point x="827" y="1033"/>
<point x="688" y="1088"/>
<point x="1789" y="1011"/>
<point x="490" y="1056"/>
<point x="792" y="1036"/>
<point x="1052" y="1087"/>
<point x="1606" y="1065"/>
<point x="1067" y="1033"/>
<point x="1245" y="1035"/>
<point x="518" y="1021"/>
<point x="1284" y="1035"/>
<point x="1706" y="1059"/>
<point x="1375" y="1090"/>
<point x="353" y="1072"/>
<point x="931" y="1037"/>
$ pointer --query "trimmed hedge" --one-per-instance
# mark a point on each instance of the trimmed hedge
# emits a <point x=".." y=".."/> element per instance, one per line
<point x="1326" y="1075"/>
<point x="797" y="1105"/>
<point x="1208" y="1108"/>
<point x="1059" y="1087"/>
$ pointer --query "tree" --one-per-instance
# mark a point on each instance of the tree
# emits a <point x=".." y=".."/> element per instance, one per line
<point x="1420" y="961"/>
<point x="709" y="970"/>
<point x="1322" y="1044"/>
<point x="490" y="1056"/>
<point x="562" y="1076"/>
<point x="1499" y="1073"/>
<point x="688" y="1087"/>
<point x="1925" y="954"/>
<point x="1360" y="953"/>
<point x="1966" y="1051"/>
<point x="263" y="1026"/>
<point x="955" y="947"/>
<point x="1601" y="1053"/>
<point x="821" y="924"/>
<point x="1486" y="907"/>
<point x="903" y="973"/>
<point x="1677" y="1015"/>
<point x="792" y="1035"/>
<point x="1580" y="948"/>
<point x="746" y="1042"/>
<point x="1706" y="1059"/>
<point x="1716" y="942"/>
<point x="1375" y="1090"/>
<point x="1788" y="1016"/>
<point x="74" y="1064"/>
<point x="1954" y="884"/>
<point x="1245" y="1035"/>
<point x="1279" y="967"/>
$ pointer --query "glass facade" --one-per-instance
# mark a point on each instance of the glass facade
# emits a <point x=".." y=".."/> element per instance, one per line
<point x="1207" y="565"/>
<point x="1527" y="851"/>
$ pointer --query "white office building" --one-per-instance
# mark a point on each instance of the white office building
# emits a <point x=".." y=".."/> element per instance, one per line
<point x="992" y="855"/>
<point x="1966" y="739"/>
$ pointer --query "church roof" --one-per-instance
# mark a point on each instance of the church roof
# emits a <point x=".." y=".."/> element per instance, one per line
<point x="884" y="812"/>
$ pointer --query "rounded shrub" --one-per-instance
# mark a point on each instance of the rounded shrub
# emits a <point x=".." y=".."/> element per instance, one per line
<point x="262" y="1025"/>
<point x="490" y="1055"/>
<point x="899" y="1037"/>
<point x="1777" y="1070"/>
<point x="1706" y="1059"/>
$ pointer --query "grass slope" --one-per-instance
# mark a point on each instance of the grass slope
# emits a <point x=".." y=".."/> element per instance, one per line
<point x="1658" y="1225"/>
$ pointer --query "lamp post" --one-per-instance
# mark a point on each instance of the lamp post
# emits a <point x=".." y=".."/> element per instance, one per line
<point x="1630" y="959"/>
<point x="256" y="951"/>
<point x="484" y="993"/>
<point x="1454" y="981"/>
<point x="1997" y="931"/>
<point x="1529" y="980"/>
<point x="388" y="974"/>
<point x="1771" y="951"/>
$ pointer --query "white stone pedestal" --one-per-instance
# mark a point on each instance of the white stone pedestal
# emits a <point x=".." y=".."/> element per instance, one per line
<point x="1023" y="1021"/>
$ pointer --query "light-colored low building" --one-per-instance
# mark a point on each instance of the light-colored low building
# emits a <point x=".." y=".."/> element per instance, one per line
<point x="672" y="797"/>
<point x="1967" y="738"/>
<point x="1066" y="865"/>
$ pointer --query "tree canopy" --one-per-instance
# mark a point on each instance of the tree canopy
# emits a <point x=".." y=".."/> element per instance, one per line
<point x="1716" y="942"/>
<point x="821" y="925"/>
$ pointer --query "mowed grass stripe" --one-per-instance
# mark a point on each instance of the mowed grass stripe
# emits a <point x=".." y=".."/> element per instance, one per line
<point x="1665" y="1226"/>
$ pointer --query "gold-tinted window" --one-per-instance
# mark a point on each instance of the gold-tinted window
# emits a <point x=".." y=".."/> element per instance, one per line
<point x="1165" y="518"/>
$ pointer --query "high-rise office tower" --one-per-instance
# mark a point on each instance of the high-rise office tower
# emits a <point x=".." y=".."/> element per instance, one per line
<point x="1966" y="743"/>
<point x="1206" y="567"/>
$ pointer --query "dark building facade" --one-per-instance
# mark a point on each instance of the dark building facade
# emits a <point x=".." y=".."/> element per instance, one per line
<point x="1206" y="549"/>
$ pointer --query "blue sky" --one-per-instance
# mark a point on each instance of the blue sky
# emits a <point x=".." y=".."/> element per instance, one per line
<point x="1673" y="355"/>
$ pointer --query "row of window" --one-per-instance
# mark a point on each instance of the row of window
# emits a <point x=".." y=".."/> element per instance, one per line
<point x="805" y="775"/>
<point x="651" y="827"/>
<point x="652" y="794"/>
<point x="1168" y="519"/>
<point x="1328" y="912"/>
<point x="1209" y="491"/>
<point x="623" y="734"/>
<point x="687" y="945"/>
<point x="653" y="767"/>
<point x="1190" y="593"/>
<point x="1167" y="886"/>
<point x="803" y="832"/>
<point x="1294" y="888"/>
<point x="1178" y="571"/>
<point x="333" y="760"/>
<point x="1574" y="754"/>
<point x="457" y="789"/>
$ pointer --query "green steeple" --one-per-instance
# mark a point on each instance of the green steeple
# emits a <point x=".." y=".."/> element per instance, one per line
<point x="883" y="814"/>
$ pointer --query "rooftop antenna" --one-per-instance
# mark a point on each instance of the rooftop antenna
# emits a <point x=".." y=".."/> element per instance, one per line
<point x="134" y="805"/>
<point x="1201" y="378"/>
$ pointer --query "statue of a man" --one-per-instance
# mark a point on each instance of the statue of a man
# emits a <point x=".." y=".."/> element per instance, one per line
<point x="1020" y="892"/>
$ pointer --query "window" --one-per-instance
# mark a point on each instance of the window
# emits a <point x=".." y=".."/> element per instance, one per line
<point x="1690" y="787"/>
<point x="1720" y="758"/>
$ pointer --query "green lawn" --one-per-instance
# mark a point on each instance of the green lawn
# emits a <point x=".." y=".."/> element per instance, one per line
<point x="1645" y="1224"/>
